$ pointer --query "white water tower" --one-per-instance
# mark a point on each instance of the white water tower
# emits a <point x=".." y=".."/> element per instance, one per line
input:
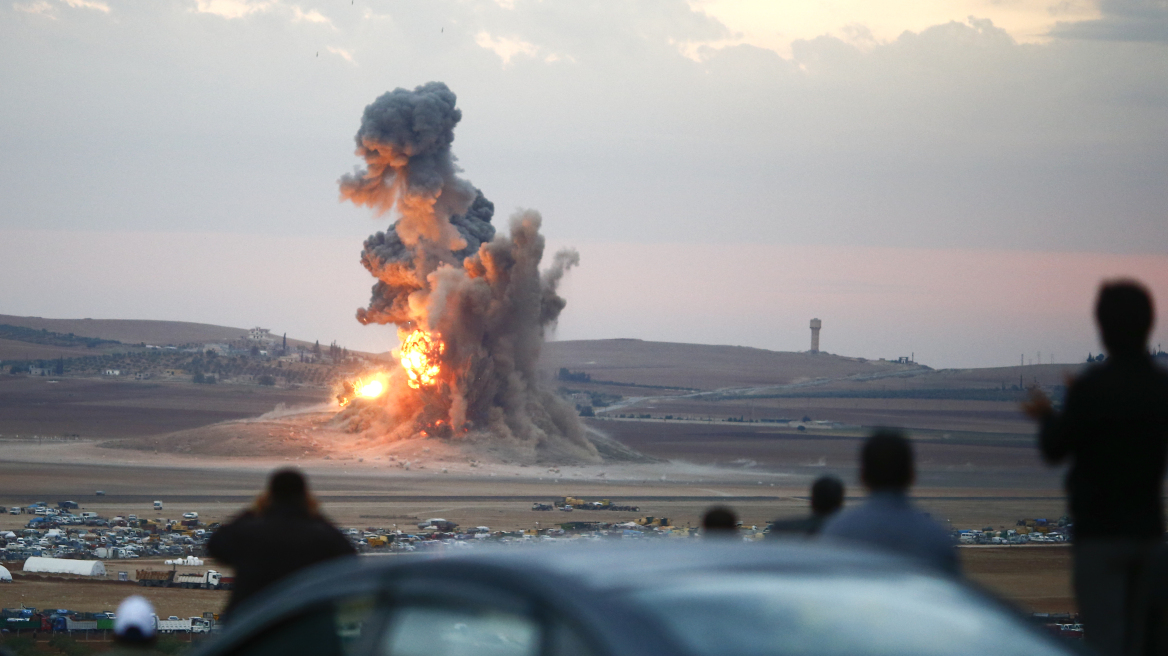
<point x="816" y="324"/>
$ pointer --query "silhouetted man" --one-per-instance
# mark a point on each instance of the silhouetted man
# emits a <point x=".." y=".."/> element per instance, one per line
<point x="1114" y="432"/>
<point x="827" y="497"/>
<point x="720" y="522"/>
<point x="281" y="534"/>
<point x="888" y="520"/>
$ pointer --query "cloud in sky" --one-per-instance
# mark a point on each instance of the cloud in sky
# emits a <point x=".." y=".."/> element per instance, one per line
<point x="504" y="47"/>
<point x="39" y="8"/>
<point x="232" y="8"/>
<point x="1121" y="20"/>
<point x="625" y="123"/>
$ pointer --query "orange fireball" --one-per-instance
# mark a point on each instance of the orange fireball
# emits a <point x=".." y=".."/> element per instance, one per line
<point x="419" y="357"/>
<point x="365" y="388"/>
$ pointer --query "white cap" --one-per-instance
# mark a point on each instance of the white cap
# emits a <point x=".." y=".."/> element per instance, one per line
<point x="135" y="612"/>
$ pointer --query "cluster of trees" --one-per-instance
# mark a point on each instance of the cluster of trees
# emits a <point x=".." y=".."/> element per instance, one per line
<point x="47" y="337"/>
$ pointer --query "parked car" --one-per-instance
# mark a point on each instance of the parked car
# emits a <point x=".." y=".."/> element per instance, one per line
<point x="695" y="598"/>
<point x="190" y="515"/>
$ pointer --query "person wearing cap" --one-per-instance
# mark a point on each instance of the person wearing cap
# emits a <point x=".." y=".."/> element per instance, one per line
<point x="134" y="624"/>
<point x="282" y="533"/>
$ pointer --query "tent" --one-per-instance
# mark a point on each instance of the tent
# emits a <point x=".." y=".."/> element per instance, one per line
<point x="63" y="566"/>
<point x="5" y="575"/>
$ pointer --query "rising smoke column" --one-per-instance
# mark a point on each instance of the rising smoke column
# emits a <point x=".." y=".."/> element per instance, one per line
<point x="441" y="268"/>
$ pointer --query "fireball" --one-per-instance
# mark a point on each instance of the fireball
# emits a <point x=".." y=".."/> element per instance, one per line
<point x="368" y="388"/>
<point x="419" y="357"/>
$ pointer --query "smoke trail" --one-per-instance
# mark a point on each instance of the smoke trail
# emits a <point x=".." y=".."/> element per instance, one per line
<point x="442" y="268"/>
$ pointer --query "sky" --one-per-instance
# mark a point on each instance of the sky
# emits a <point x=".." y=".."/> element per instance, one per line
<point x="950" y="179"/>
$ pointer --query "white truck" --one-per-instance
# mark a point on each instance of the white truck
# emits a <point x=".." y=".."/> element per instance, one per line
<point x="190" y="625"/>
<point x="208" y="580"/>
<point x="158" y="505"/>
<point x="80" y="625"/>
<point x="173" y="624"/>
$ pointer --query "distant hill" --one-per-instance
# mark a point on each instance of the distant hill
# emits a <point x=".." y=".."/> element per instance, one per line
<point x="701" y="366"/>
<point x="131" y="331"/>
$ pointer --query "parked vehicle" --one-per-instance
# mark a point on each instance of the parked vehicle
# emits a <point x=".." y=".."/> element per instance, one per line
<point x="190" y="515"/>
<point x="174" y="624"/>
<point x="158" y="505"/>
<point x="209" y="580"/>
<point x="438" y="524"/>
<point x="694" y="598"/>
<point x="155" y="578"/>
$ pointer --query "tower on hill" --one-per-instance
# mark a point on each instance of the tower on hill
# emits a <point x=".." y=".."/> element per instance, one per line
<point x="816" y="324"/>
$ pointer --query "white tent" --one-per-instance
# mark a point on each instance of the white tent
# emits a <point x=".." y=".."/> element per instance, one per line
<point x="5" y="575"/>
<point x="64" y="566"/>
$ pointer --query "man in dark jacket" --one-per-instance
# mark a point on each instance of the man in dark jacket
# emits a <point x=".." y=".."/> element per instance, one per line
<point x="283" y="533"/>
<point x="1114" y="432"/>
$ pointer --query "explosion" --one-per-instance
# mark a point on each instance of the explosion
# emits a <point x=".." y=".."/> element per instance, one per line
<point x="419" y="357"/>
<point x="359" y="388"/>
<point x="471" y="306"/>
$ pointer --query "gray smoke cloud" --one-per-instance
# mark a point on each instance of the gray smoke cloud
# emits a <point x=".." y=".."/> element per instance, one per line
<point x="442" y="268"/>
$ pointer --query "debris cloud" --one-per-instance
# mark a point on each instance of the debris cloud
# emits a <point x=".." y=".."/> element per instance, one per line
<point x="471" y="306"/>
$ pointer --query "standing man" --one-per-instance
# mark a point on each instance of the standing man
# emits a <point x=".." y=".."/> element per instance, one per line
<point x="1113" y="429"/>
<point x="280" y="535"/>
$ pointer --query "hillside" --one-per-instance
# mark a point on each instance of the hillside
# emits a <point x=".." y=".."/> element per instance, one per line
<point x="11" y="349"/>
<point x="702" y="366"/>
<point x="131" y="331"/>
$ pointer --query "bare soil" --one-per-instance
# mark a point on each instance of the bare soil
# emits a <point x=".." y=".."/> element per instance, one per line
<point x="90" y="407"/>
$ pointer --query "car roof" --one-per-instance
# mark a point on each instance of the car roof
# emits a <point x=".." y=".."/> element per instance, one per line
<point x="589" y="570"/>
<point x="577" y="580"/>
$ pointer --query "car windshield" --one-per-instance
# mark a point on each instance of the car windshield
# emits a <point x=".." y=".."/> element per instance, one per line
<point x="906" y="615"/>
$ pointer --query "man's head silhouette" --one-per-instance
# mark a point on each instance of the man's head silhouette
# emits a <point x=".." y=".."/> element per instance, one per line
<point x="827" y="495"/>
<point x="720" y="520"/>
<point x="886" y="462"/>
<point x="1125" y="315"/>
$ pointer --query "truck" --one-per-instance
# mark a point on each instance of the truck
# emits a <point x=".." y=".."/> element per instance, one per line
<point x="209" y="580"/>
<point x="24" y="619"/>
<point x="438" y="524"/>
<point x="155" y="579"/>
<point x="173" y="624"/>
<point x="158" y="505"/>
<point x="79" y="625"/>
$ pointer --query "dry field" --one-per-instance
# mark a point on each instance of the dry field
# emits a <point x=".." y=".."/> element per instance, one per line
<point x="977" y="465"/>
<point x="100" y="408"/>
